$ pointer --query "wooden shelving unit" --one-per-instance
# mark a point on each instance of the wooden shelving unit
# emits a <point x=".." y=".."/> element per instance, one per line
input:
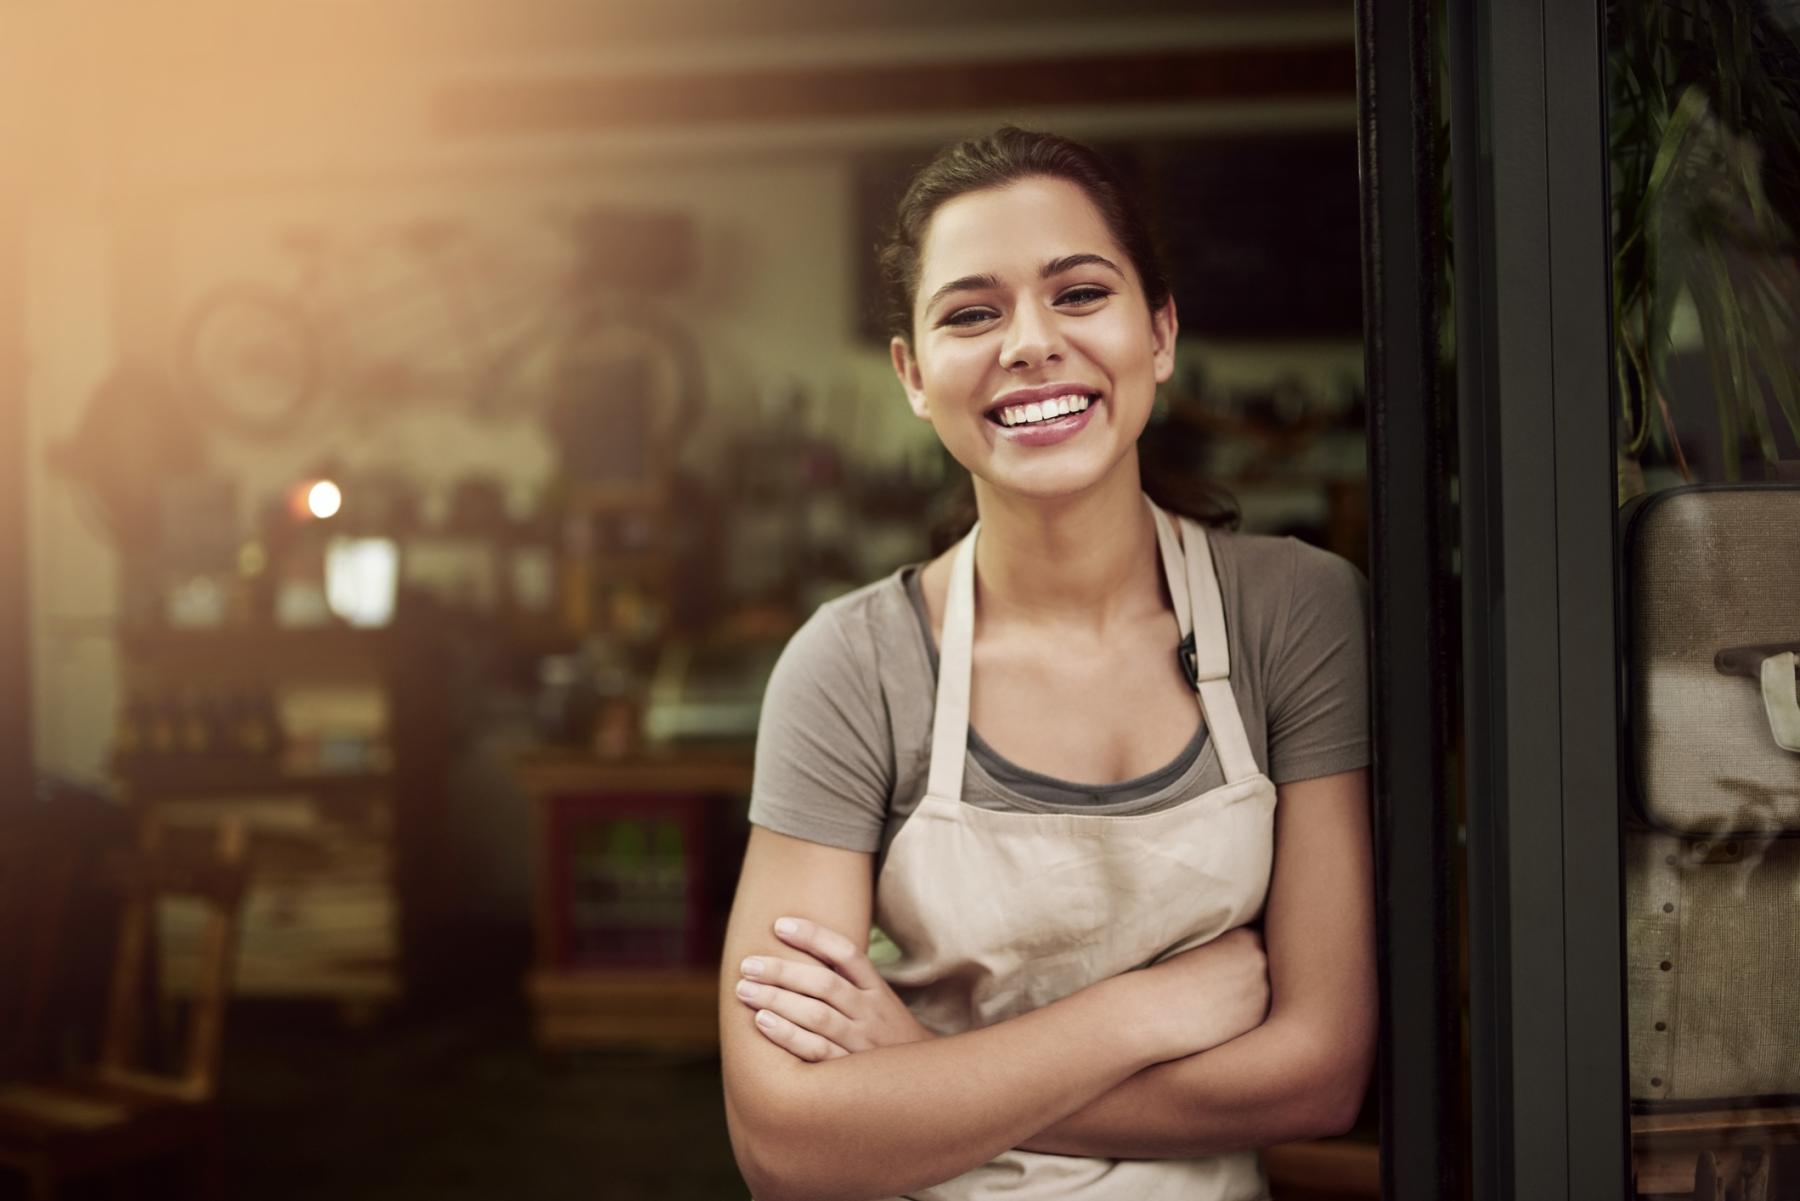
<point x="341" y="899"/>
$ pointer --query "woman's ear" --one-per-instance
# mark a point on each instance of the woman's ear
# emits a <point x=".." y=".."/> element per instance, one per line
<point x="907" y="368"/>
<point x="1163" y="328"/>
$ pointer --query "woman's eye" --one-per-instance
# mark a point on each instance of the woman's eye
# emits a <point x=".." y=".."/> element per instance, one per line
<point x="971" y="316"/>
<point x="1086" y="294"/>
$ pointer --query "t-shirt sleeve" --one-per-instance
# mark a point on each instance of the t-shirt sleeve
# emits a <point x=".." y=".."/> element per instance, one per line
<point x="824" y="760"/>
<point x="1318" y="687"/>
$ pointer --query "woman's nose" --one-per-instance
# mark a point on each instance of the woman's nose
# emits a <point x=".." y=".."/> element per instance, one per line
<point x="1031" y="338"/>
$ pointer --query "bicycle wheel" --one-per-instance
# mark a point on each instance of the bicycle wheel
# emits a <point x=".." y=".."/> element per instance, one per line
<point x="250" y="358"/>
<point x="629" y="391"/>
<point x="407" y="336"/>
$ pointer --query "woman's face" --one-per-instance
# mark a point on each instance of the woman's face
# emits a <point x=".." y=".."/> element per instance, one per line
<point x="1035" y="355"/>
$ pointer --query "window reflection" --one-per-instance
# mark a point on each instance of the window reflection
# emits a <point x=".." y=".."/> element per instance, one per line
<point x="1705" y="148"/>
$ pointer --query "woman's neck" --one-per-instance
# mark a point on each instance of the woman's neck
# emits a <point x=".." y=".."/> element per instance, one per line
<point x="1089" y="560"/>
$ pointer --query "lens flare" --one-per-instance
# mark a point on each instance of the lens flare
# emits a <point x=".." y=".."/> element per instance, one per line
<point x="324" y="499"/>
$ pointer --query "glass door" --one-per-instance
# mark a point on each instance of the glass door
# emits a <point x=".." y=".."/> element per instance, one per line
<point x="1626" y="193"/>
<point x="1704" y="147"/>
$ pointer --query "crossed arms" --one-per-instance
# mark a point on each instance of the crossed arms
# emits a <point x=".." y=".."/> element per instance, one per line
<point x="1153" y="1064"/>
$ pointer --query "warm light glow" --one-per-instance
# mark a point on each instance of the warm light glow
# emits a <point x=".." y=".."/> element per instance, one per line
<point x="362" y="576"/>
<point x="324" y="499"/>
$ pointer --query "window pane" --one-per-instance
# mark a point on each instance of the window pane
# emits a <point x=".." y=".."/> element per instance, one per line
<point x="1705" y="148"/>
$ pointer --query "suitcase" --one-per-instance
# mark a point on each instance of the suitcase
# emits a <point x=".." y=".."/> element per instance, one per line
<point x="1712" y="857"/>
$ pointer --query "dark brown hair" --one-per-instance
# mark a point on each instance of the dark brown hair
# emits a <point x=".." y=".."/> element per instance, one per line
<point x="1008" y="155"/>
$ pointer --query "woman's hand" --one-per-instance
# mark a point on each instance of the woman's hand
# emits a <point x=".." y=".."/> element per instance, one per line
<point x="815" y="1012"/>
<point x="1203" y="997"/>
<point x="1196" y="1000"/>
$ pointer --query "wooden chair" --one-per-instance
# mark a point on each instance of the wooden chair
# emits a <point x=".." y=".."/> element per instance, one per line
<point x="125" y="1112"/>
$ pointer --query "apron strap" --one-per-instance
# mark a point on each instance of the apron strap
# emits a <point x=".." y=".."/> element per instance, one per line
<point x="1212" y="657"/>
<point x="1173" y="571"/>
<point x="950" y="722"/>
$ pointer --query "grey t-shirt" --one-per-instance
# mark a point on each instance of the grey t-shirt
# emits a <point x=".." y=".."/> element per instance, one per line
<point x="843" y="746"/>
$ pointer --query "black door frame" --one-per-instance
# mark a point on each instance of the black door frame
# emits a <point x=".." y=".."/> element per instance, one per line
<point x="1537" y="419"/>
<point x="1421" y="1086"/>
<point x="1533" y="464"/>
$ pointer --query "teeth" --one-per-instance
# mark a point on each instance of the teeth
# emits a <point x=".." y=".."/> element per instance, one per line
<point x="1049" y="410"/>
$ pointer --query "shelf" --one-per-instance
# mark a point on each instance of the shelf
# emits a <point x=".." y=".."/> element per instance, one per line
<point x="234" y="653"/>
<point x="722" y="770"/>
<point x="626" y="1009"/>
<point x="209" y="778"/>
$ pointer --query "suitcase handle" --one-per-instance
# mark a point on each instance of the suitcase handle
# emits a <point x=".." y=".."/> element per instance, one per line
<point x="1781" y="698"/>
<point x="1773" y="665"/>
<point x="1747" y="661"/>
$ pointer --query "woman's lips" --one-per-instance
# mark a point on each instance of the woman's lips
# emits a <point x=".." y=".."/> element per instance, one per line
<point x="1049" y="433"/>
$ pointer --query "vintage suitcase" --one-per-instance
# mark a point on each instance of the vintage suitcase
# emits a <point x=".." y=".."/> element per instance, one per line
<point x="1712" y="863"/>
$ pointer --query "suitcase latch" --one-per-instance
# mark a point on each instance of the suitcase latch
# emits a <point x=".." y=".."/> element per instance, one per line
<point x="1722" y="850"/>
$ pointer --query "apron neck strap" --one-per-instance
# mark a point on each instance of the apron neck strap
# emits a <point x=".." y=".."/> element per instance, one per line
<point x="1206" y="654"/>
<point x="950" y="723"/>
<point x="1174" y="572"/>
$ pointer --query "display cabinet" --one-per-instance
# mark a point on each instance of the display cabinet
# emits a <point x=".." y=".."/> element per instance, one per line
<point x="633" y="862"/>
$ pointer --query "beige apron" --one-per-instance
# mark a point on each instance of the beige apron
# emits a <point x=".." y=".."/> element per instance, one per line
<point x="999" y="912"/>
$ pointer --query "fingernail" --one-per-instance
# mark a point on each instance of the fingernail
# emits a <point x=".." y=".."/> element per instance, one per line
<point x="745" y="989"/>
<point x="787" y="925"/>
<point x="765" y="1018"/>
<point x="751" y="967"/>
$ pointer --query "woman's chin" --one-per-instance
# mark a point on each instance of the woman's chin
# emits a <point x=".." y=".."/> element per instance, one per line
<point x="1050" y="478"/>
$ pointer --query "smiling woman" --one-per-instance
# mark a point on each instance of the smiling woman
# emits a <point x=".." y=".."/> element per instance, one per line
<point x="1053" y="301"/>
<point x="1098" y="771"/>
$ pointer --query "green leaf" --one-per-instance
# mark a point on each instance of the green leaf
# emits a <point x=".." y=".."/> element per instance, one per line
<point x="1774" y="354"/>
<point x="1746" y="394"/>
<point x="1712" y="327"/>
<point x="1673" y="142"/>
<point x="1779" y="368"/>
<point x="1766" y="282"/>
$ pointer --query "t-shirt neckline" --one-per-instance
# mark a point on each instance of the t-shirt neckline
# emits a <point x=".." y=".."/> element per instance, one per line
<point x="997" y="767"/>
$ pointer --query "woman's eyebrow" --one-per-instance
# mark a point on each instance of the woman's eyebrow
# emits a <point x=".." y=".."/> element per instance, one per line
<point x="968" y="283"/>
<point x="1069" y="262"/>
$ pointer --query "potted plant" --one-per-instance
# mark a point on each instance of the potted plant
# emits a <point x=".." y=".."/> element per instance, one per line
<point x="1705" y="150"/>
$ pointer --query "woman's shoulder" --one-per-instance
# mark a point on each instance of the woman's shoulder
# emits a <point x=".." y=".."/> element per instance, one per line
<point x="1273" y="565"/>
<point x="849" y="635"/>
<point x="1282" y="593"/>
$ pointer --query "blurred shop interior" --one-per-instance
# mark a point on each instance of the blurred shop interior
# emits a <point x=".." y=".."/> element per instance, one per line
<point x="437" y="417"/>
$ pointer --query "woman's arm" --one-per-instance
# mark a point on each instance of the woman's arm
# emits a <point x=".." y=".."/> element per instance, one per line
<point x="1303" y="1072"/>
<point x="897" y="1118"/>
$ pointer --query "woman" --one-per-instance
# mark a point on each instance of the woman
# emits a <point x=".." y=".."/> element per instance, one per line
<point x="1081" y="1007"/>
